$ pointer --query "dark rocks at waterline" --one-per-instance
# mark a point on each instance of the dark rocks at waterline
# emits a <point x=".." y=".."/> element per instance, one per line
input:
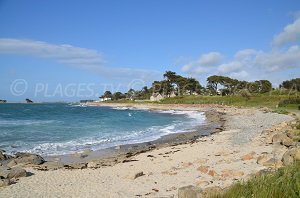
<point x="28" y="158"/>
<point x="4" y="156"/>
<point x="3" y="101"/>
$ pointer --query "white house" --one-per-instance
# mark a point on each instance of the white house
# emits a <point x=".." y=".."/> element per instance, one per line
<point x="156" y="97"/>
<point x="104" y="99"/>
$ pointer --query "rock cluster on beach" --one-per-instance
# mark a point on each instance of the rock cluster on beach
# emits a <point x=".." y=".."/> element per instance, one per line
<point x="12" y="167"/>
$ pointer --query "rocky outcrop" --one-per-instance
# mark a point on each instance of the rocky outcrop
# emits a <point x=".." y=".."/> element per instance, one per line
<point x="8" y="175"/>
<point x="16" y="172"/>
<point x="4" y="156"/>
<point x="28" y="158"/>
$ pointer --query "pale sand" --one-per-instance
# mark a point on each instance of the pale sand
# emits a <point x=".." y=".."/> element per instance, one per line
<point x="169" y="169"/>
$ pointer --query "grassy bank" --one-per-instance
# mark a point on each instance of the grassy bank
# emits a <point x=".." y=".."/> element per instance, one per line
<point x="285" y="182"/>
<point x="254" y="101"/>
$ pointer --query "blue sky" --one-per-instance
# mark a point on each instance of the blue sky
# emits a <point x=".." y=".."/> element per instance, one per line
<point x="70" y="50"/>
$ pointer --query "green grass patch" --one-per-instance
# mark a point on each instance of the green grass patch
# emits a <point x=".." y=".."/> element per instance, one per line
<point x="270" y="101"/>
<point x="285" y="182"/>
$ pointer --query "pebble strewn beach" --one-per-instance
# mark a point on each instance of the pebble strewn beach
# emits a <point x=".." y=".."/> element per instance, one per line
<point x="215" y="161"/>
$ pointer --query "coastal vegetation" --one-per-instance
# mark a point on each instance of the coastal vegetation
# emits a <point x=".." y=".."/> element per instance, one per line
<point x="222" y="90"/>
<point x="285" y="182"/>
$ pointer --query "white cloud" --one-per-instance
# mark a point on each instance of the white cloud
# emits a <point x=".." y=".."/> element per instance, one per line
<point x="245" y="54"/>
<point x="62" y="53"/>
<point x="86" y="59"/>
<point x="210" y="59"/>
<point x="290" y="33"/>
<point x="252" y="64"/>
<point x="227" y="68"/>
<point x="241" y="75"/>
<point x="203" y="64"/>
<point x="279" y="59"/>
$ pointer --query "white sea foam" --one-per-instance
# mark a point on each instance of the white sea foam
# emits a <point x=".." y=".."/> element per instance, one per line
<point x="27" y="122"/>
<point x="95" y="142"/>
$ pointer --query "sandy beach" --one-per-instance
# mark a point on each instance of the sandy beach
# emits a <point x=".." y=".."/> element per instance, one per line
<point x="217" y="160"/>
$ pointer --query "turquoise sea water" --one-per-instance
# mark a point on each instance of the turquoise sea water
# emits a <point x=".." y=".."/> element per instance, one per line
<point x="51" y="129"/>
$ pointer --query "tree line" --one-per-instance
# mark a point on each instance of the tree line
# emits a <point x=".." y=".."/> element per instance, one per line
<point x="177" y="85"/>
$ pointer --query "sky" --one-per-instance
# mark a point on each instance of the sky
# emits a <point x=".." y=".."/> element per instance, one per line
<point x="55" y="50"/>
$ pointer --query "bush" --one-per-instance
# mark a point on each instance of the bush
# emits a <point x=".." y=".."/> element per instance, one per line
<point x="286" y="102"/>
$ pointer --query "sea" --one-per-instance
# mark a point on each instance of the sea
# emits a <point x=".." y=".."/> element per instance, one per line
<point x="63" y="128"/>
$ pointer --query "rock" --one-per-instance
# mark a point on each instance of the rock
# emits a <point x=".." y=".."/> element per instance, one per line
<point x="281" y="138"/>
<point x="4" y="172"/>
<point x="76" y="166"/>
<point x="275" y="163"/>
<point x="49" y="166"/>
<point x="17" y="173"/>
<point x="212" y="173"/>
<point x="202" y="183"/>
<point x="262" y="159"/>
<point x="138" y="174"/>
<point x="265" y="110"/>
<point x="4" y="182"/>
<point x="203" y="169"/>
<point x="288" y="142"/>
<point x="12" y="163"/>
<point x="93" y="164"/>
<point x="189" y="192"/>
<point x="28" y="158"/>
<point x="248" y="156"/>
<point x="290" y="156"/>
<point x="4" y="156"/>
<point x="232" y="173"/>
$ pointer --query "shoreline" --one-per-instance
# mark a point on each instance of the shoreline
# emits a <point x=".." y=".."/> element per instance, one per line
<point x="214" y="161"/>
<point x="214" y="123"/>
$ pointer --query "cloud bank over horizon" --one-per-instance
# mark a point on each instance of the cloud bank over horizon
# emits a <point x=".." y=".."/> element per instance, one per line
<point x="253" y="64"/>
<point x="81" y="58"/>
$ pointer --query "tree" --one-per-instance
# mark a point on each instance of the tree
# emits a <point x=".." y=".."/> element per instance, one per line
<point x="265" y="86"/>
<point x="212" y="83"/>
<point x="107" y="94"/>
<point x="118" y="95"/>
<point x="293" y="84"/>
<point x="170" y="76"/>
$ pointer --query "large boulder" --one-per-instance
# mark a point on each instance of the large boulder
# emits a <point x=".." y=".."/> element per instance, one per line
<point x="9" y="173"/>
<point x="291" y="156"/>
<point x="28" y="158"/>
<point x="16" y="173"/>
<point x="189" y="192"/>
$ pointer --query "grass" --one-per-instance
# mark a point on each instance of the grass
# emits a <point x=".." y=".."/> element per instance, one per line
<point x="270" y="101"/>
<point x="285" y="182"/>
